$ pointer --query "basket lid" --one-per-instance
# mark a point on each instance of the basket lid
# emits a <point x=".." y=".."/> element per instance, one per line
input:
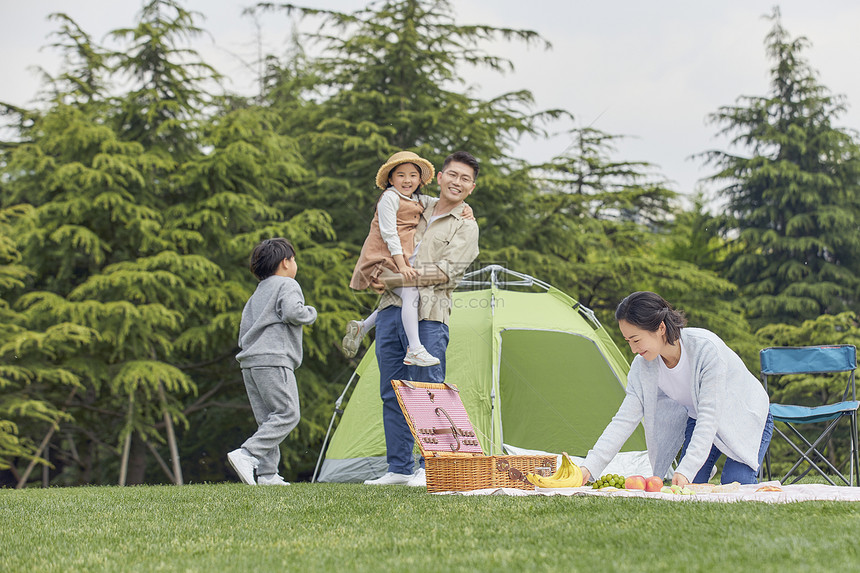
<point x="437" y="418"/>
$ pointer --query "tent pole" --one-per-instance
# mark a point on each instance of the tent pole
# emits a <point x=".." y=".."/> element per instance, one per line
<point x="337" y="410"/>
<point x="495" y="370"/>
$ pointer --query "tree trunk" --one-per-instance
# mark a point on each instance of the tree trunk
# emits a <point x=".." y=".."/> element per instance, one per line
<point x="137" y="461"/>
<point x="171" y="438"/>
<point x="123" y="464"/>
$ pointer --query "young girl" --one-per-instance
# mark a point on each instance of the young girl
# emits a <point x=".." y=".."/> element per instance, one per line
<point x="390" y="245"/>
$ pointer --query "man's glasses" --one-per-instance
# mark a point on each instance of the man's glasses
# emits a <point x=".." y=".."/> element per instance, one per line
<point x="454" y="176"/>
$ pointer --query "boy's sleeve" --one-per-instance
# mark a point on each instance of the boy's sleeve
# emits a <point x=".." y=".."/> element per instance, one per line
<point x="293" y="309"/>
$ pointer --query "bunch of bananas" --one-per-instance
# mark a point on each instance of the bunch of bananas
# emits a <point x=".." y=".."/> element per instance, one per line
<point x="567" y="475"/>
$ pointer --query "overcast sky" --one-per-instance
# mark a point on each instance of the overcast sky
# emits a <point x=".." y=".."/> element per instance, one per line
<point x="652" y="70"/>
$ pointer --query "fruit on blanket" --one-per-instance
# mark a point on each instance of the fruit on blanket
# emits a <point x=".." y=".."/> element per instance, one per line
<point x="635" y="482"/>
<point x="654" y="483"/>
<point x="678" y="490"/>
<point x="609" y="480"/>
<point x="568" y="474"/>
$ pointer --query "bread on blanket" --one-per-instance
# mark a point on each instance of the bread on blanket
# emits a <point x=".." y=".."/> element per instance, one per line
<point x="701" y="487"/>
<point x="727" y="487"/>
<point x="769" y="488"/>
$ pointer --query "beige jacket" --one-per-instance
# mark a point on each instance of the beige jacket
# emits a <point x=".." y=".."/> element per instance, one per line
<point x="451" y="244"/>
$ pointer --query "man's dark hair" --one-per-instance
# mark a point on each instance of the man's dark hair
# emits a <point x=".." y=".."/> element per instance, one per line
<point x="267" y="255"/>
<point x="462" y="157"/>
<point x="646" y="310"/>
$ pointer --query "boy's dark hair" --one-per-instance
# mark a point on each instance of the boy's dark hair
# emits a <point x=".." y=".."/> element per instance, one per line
<point x="462" y="157"/>
<point x="268" y="254"/>
<point x="646" y="310"/>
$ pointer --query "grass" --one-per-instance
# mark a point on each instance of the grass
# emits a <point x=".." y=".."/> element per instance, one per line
<point x="352" y="527"/>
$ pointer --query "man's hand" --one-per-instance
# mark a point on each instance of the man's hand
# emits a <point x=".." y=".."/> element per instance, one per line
<point x="679" y="479"/>
<point x="377" y="286"/>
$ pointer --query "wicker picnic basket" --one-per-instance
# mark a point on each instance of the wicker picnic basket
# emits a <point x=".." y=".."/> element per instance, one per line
<point x="454" y="460"/>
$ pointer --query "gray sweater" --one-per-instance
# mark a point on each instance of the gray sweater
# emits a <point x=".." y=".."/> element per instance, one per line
<point x="270" y="333"/>
<point x="731" y="403"/>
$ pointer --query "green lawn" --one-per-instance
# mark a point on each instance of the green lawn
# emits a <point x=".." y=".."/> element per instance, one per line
<point x="346" y="527"/>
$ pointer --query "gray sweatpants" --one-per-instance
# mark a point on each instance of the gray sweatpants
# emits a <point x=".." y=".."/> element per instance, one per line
<point x="274" y="399"/>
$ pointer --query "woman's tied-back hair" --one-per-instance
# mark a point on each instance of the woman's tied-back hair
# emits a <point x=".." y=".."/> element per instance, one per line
<point x="646" y="310"/>
<point x="268" y="254"/>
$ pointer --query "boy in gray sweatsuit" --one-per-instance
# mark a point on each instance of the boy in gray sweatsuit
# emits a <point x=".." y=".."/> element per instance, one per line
<point x="270" y="342"/>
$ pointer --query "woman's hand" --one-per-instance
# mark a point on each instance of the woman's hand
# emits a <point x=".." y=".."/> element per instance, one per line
<point x="679" y="479"/>
<point x="586" y="475"/>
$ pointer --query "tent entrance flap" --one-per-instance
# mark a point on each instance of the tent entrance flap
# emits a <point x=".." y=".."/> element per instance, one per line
<point x="564" y="383"/>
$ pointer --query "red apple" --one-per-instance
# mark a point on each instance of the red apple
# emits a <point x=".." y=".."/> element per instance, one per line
<point x="634" y="482"/>
<point x="654" y="483"/>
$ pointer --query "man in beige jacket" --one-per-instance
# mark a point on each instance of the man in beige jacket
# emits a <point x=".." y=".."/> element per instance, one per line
<point x="446" y="243"/>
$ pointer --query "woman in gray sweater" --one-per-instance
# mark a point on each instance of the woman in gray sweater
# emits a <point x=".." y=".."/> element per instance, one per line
<point x="691" y="392"/>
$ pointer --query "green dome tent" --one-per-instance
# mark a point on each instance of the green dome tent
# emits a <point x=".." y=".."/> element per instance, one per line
<point x="535" y="370"/>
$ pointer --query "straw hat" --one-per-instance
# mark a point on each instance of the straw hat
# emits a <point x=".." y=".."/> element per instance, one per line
<point x="399" y="158"/>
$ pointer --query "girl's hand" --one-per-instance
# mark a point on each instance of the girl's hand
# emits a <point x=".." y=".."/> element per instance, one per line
<point x="468" y="214"/>
<point x="408" y="273"/>
<point x="679" y="479"/>
<point x="403" y="267"/>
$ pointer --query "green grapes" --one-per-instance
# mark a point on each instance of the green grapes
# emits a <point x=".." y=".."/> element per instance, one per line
<point x="609" y="480"/>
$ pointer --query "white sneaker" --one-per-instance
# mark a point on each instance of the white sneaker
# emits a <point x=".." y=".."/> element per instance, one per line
<point x="390" y="478"/>
<point x="271" y="480"/>
<point x="420" y="357"/>
<point x="352" y="340"/>
<point x="418" y="479"/>
<point x="244" y="464"/>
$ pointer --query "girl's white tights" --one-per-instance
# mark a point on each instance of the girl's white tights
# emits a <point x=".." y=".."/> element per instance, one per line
<point x="409" y="315"/>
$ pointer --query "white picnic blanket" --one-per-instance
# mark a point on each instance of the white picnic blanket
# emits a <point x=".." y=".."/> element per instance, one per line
<point x="789" y="493"/>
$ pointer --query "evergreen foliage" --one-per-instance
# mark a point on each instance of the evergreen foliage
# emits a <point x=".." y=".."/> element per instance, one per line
<point x="141" y="210"/>
<point x="132" y="196"/>
<point x="598" y="229"/>
<point x="794" y="202"/>
<point x="389" y="77"/>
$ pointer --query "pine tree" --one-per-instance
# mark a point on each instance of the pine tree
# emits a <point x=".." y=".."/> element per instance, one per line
<point x="143" y="210"/>
<point x="33" y="364"/>
<point x="390" y="77"/>
<point x="599" y="225"/>
<point x="794" y="201"/>
<point x="386" y="78"/>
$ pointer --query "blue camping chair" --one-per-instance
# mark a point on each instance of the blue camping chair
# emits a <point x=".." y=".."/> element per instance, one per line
<point x="814" y="360"/>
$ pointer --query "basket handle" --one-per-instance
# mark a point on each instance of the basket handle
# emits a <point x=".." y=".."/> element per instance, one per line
<point x="515" y="474"/>
<point x="454" y="430"/>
